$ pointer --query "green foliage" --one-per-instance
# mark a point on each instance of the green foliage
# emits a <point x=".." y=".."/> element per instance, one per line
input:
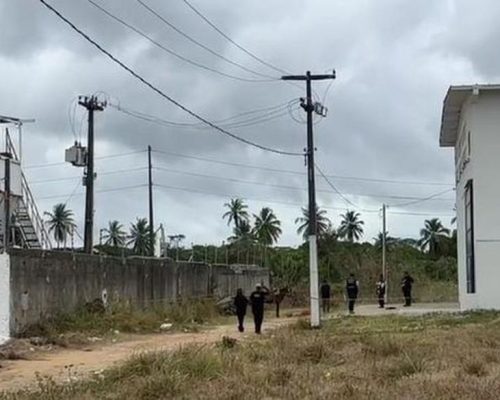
<point x="237" y="212"/>
<point x="267" y="228"/>
<point x="351" y="226"/>
<point x="114" y="234"/>
<point x="323" y="224"/>
<point x="61" y="223"/>
<point x="139" y="237"/>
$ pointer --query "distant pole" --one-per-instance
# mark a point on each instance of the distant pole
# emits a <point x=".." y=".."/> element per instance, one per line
<point x="384" y="267"/>
<point x="91" y="104"/>
<point x="309" y="107"/>
<point x="150" y="188"/>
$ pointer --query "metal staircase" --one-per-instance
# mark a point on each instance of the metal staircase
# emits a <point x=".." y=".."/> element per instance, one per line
<point x="27" y="226"/>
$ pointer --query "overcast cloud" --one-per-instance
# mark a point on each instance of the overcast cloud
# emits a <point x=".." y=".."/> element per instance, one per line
<point x="394" y="60"/>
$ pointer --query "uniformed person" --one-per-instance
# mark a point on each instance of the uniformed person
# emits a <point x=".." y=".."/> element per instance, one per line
<point x="406" y="286"/>
<point x="352" y="289"/>
<point x="240" y="303"/>
<point x="257" y="300"/>
<point x="381" y="291"/>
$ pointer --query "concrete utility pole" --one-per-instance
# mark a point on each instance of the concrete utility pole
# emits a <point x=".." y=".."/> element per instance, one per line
<point x="91" y="104"/>
<point x="150" y="187"/>
<point x="309" y="106"/>
<point x="384" y="245"/>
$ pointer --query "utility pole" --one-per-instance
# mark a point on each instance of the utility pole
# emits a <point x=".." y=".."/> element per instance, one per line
<point x="309" y="107"/>
<point x="150" y="187"/>
<point x="91" y="104"/>
<point x="384" y="245"/>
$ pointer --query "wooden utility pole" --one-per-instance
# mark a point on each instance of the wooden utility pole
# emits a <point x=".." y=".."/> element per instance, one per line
<point x="309" y="107"/>
<point x="91" y="104"/>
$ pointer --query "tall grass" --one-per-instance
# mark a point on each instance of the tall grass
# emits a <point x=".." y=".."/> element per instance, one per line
<point x="433" y="357"/>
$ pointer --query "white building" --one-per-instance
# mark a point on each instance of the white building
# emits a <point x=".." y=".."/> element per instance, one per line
<point x="471" y="124"/>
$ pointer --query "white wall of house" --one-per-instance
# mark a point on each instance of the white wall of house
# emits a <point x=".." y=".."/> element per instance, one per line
<point x="4" y="297"/>
<point x="481" y="155"/>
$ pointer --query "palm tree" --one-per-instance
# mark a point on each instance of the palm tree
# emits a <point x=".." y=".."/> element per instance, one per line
<point x="389" y="240"/>
<point x="139" y="237"/>
<point x="323" y="224"/>
<point x="242" y="234"/>
<point x="237" y="212"/>
<point x="267" y="228"/>
<point x="61" y="223"/>
<point x="351" y="227"/>
<point x="114" y="234"/>
<point x="431" y="235"/>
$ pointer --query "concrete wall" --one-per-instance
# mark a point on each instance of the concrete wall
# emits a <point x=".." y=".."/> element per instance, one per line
<point x="481" y="118"/>
<point x="43" y="284"/>
<point x="4" y="297"/>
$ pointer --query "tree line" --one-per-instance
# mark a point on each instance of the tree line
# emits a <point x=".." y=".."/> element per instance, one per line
<point x="262" y="229"/>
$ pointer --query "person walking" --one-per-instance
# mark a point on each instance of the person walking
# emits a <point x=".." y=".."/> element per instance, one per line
<point x="352" y="289"/>
<point x="240" y="303"/>
<point x="381" y="291"/>
<point x="257" y="300"/>
<point x="326" y="293"/>
<point x="406" y="286"/>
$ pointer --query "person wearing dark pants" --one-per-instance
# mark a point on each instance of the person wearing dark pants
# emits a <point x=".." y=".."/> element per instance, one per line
<point x="352" y="289"/>
<point x="406" y="286"/>
<point x="257" y="300"/>
<point x="240" y="303"/>
<point x="326" y="293"/>
<point x="381" y="291"/>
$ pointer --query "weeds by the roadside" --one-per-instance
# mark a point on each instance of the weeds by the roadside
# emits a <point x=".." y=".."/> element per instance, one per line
<point x="77" y="327"/>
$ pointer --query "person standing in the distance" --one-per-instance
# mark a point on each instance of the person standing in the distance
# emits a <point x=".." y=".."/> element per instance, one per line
<point x="381" y="291"/>
<point x="257" y="300"/>
<point x="406" y="286"/>
<point x="240" y="303"/>
<point x="326" y="293"/>
<point x="352" y="289"/>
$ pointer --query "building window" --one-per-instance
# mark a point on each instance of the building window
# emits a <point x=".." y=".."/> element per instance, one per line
<point x="469" y="239"/>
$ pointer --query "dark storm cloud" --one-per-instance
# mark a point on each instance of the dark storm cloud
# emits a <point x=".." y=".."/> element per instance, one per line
<point x="394" y="60"/>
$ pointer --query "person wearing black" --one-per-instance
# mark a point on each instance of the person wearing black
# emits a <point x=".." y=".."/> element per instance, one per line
<point x="257" y="300"/>
<point x="381" y="291"/>
<point x="406" y="285"/>
<point x="240" y="303"/>
<point x="325" y="296"/>
<point x="352" y="288"/>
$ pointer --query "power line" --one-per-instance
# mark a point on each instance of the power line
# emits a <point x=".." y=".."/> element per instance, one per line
<point x="97" y="158"/>
<point x="170" y="51"/>
<point x="334" y="187"/>
<point x="271" y="114"/>
<point x="224" y="35"/>
<point x="160" y="92"/>
<point x="432" y="196"/>
<point x="202" y="192"/>
<point x="292" y="172"/>
<point x="117" y="189"/>
<point x="199" y="44"/>
<point x="70" y="178"/>
<point x="285" y="187"/>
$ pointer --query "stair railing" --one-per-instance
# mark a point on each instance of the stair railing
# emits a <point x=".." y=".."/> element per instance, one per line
<point x="29" y="202"/>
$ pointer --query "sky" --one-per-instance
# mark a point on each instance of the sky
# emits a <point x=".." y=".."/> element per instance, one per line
<point x="394" y="62"/>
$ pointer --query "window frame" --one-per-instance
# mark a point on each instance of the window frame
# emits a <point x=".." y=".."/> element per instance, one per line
<point x="470" y="261"/>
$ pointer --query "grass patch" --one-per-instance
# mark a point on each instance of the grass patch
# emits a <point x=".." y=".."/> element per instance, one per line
<point x="82" y="325"/>
<point x="432" y="357"/>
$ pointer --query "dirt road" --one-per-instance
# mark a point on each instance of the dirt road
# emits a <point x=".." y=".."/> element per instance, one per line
<point x="21" y="373"/>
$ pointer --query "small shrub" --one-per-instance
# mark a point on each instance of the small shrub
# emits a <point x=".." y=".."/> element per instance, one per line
<point x="474" y="366"/>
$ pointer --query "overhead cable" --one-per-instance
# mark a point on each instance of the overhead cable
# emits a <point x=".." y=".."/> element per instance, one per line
<point x="163" y="94"/>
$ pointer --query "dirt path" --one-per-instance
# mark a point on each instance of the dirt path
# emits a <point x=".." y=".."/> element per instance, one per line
<point x="22" y="373"/>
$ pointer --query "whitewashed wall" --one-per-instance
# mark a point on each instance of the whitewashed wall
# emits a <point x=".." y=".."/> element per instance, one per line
<point x="481" y="116"/>
<point x="4" y="297"/>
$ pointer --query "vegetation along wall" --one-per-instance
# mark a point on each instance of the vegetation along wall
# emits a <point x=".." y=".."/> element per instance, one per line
<point x="47" y="283"/>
